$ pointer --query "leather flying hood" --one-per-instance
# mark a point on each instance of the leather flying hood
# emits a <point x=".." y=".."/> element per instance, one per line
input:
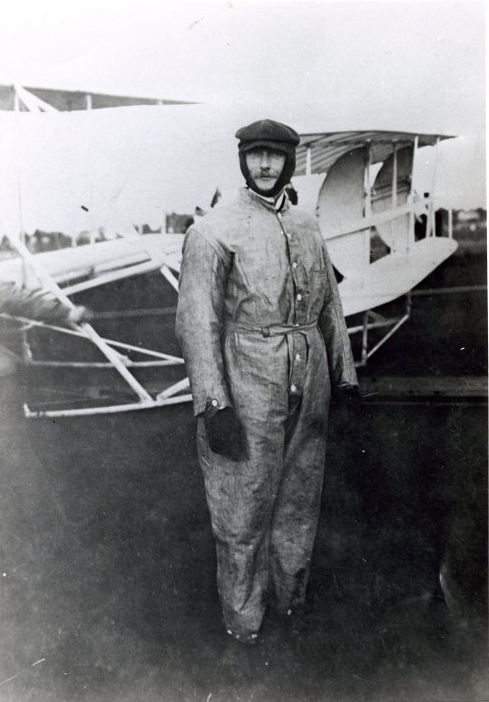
<point x="275" y="135"/>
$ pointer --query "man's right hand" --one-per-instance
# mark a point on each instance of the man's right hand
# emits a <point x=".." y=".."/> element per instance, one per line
<point x="225" y="433"/>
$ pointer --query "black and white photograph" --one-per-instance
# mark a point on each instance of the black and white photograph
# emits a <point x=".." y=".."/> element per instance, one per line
<point x="243" y="351"/>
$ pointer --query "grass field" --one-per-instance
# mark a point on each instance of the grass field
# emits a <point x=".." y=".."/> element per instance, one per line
<point x="107" y="559"/>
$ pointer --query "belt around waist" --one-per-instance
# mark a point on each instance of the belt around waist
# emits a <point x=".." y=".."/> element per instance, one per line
<point x="271" y="330"/>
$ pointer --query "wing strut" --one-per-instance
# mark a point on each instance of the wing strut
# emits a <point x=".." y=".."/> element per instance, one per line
<point x="87" y="330"/>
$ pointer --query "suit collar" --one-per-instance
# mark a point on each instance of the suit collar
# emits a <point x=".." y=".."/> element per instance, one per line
<point x="278" y="204"/>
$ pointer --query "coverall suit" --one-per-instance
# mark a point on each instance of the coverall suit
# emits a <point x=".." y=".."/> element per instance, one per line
<point x="262" y="330"/>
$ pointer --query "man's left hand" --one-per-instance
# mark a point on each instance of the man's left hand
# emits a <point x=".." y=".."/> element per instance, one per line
<point x="347" y="397"/>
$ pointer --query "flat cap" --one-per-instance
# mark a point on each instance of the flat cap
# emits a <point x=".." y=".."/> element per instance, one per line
<point x="265" y="132"/>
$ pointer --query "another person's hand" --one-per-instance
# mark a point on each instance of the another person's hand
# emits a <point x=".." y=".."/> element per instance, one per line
<point x="79" y="314"/>
<point x="225" y="433"/>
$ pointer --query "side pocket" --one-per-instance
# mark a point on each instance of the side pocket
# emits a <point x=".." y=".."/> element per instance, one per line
<point x="326" y="360"/>
<point x="202" y="443"/>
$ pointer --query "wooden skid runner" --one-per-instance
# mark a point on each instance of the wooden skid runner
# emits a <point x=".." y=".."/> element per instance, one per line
<point x="108" y="409"/>
<point x="405" y="389"/>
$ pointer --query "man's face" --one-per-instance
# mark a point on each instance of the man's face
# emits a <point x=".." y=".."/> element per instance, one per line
<point x="265" y="166"/>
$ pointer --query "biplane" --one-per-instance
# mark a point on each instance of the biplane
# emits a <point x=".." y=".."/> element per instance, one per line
<point x="361" y="185"/>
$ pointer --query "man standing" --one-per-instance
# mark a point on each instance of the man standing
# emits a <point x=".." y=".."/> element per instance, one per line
<point x="264" y="338"/>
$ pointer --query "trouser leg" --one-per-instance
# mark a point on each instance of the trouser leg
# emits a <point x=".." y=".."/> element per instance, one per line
<point x="240" y="496"/>
<point x="298" y="503"/>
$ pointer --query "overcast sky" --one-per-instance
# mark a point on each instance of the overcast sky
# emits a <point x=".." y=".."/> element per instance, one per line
<point x="373" y="57"/>
<point x="415" y="65"/>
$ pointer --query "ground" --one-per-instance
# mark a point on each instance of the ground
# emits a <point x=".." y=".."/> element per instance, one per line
<point x="108" y="567"/>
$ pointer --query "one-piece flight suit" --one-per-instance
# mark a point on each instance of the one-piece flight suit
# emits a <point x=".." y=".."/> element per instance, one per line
<point x="262" y="330"/>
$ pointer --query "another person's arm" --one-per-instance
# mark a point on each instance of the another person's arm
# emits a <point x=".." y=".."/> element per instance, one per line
<point x="39" y="305"/>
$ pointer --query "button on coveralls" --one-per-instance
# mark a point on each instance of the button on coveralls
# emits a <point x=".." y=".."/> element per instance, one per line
<point x="262" y="330"/>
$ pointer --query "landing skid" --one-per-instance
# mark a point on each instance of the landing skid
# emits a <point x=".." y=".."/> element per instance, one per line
<point x="173" y="394"/>
<point x="119" y="362"/>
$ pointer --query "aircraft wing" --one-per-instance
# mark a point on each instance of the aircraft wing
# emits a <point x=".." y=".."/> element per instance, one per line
<point x="323" y="149"/>
<point x="129" y="256"/>
<point x="14" y="97"/>
<point x="395" y="275"/>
